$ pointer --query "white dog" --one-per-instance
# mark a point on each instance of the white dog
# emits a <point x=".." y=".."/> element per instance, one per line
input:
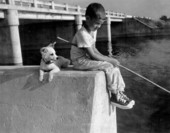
<point x="50" y="62"/>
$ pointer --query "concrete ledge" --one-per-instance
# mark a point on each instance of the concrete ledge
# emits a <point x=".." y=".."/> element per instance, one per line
<point x="74" y="102"/>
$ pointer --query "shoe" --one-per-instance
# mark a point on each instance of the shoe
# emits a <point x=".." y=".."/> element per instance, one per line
<point x="121" y="101"/>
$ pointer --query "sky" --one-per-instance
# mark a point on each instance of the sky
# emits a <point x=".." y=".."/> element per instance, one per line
<point x="143" y="8"/>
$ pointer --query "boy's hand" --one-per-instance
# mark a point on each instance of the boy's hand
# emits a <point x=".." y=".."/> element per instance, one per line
<point x="115" y="62"/>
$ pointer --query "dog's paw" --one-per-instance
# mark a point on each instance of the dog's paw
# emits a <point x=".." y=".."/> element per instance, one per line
<point x="50" y="79"/>
<point x="40" y="79"/>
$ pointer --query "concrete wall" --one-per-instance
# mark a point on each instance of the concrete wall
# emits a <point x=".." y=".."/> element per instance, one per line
<point x="74" y="102"/>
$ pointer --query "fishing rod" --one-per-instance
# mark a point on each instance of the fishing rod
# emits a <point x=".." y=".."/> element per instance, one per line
<point x="129" y="71"/>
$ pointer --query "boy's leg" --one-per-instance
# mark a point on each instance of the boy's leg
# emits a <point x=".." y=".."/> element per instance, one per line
<point x="115" y="82"/>
<point x="116" y="85"/>
<point x="118" y="98"/>
<point x="111" y="73"/>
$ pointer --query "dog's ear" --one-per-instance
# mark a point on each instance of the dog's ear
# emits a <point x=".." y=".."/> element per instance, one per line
<point x="43" y="50"/>
<point x="52" y="44"/>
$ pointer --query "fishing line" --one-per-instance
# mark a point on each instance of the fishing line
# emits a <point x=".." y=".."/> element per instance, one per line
<point x="62" y="39"/>
<point x="145" y="78"/>
<point x="129" y="71"/>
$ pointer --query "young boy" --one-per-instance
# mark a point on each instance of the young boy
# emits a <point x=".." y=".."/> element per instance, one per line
<point x="85" y="56"/>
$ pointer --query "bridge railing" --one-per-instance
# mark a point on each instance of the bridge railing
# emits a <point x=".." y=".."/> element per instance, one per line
<point x="55" y="6"/>
<point x="115" y="14"/>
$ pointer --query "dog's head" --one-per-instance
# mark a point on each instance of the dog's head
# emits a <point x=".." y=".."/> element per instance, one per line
<point x="48" y="53"/>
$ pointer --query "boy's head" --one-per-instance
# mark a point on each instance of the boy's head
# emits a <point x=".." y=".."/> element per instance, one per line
<point x="95" y="11"/>
<point x="95" y="16"/>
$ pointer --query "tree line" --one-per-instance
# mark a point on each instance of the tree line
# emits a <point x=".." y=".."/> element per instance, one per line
<point x="163" y="22"/>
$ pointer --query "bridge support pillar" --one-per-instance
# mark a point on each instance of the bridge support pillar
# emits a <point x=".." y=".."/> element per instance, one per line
<point x="78" y="22"/>
<point x="109" y="36"/>
<point x="13" y="23"/>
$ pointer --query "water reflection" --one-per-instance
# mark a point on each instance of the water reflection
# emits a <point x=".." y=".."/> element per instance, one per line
<point x="149" y="57"/>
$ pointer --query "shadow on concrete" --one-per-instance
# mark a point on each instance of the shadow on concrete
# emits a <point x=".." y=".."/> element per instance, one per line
<point x="30" y="77"/>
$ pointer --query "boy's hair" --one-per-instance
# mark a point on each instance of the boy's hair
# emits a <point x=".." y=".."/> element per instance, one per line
<point x="94" y="11"/>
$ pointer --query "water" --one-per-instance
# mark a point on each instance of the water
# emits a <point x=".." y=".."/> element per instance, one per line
<point x="149" y="57"/>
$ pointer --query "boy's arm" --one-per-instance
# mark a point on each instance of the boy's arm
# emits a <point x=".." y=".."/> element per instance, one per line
<point x="109" y="59"/>
<point x="99" y="57"/>
<point x="96" y="50"/>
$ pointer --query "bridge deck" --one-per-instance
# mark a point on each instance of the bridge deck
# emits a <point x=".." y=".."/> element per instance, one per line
<point x="35" y="9"/>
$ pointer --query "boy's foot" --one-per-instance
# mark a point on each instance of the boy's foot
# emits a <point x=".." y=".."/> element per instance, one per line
<point x="120" y="100"/>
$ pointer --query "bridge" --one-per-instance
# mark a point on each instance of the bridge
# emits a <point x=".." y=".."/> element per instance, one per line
<point x="14" y="12"/>
<point x="34" y="9"/>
